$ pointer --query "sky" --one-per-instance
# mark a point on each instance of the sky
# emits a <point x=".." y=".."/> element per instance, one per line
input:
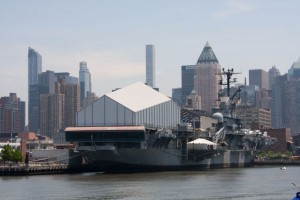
<point x="111" y="35"/>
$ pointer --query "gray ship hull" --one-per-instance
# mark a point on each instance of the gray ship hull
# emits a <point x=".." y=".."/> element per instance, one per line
<point x="136" y="160"/>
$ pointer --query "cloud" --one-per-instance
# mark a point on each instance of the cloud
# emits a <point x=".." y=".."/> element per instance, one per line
<point x="103" y="64"/>
<point x="236" y="7"/>
<point x="112" y="70"/>
<point x="109" y="65"/>
<point x="109" y="69"/>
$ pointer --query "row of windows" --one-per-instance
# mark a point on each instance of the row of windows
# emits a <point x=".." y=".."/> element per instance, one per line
<point x="105" y="136"/>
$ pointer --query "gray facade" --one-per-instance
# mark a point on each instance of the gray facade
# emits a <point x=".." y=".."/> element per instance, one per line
<point x="34" y="66"/>
<point x="248" y="95"/>
<point x="292" y="105"/>
<point x="46" y="82"/>
<point x="84" y="80"/>
<point x="110" y="112"/>
<point x="34" y="69"/>
<point x="187" y="81"/>
<point x="150" y="65"/>
<point x="177" y="95"/>
<point x="33" y="108"/>
<point x="107" y="112"/>
<point x="278" y="102"/>
<point x="45" y="85"/>
<point x="58" y="108"/>
<point x="273" y="73"/>
<point x="259" y="77"/>
<point x="294" y="71"/>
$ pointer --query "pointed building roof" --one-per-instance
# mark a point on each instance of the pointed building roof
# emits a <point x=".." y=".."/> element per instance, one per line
<point x="193" y="92"/>
<point x="138" y="96"/>
<point x="207" y="55"/>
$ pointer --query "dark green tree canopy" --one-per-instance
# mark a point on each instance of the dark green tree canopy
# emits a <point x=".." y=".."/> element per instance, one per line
<point x="10" y="154"/>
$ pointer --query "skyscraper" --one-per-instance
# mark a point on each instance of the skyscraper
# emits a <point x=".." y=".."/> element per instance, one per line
<point x="69" y="87"/>
<point x="12" y="114"/>
<point x="51" y="113"/>
<point x="58" y="110"/>
<point x="72" y="104"/>
<point x="292" y="106"/>
<point x="207" y="78"/>
<point x="150" y="65"/>
<point x="187" y="81"/>
<point x="34" y="69"/>
<point x="273" y="73"/>
<point x="34" y="66"/>
<point x="84" y="80"/>
<point x="278" y="103"/>
<point x="177" y="95"/>
<point x="294" y="71"/>
<point x="47" y="82"/>
<point x="259" y="77"/>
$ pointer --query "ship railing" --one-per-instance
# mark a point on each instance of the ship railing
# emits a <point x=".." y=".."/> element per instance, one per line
<point x="155" y="126"/>
<point x="89" y="148"/>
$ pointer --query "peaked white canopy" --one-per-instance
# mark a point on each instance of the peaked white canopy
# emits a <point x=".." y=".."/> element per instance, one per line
<point x="202" y="141"/>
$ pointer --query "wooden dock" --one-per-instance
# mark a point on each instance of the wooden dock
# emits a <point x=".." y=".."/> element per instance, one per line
<point x="276" y="162"/>
<point x="33" y="169"/>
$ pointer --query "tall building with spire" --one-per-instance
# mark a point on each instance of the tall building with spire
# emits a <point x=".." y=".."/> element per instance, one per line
<point x="84" y="80"/>
<point x="207" y="78"/>
<point x="150" y="65"/>
<point x="34" y="69"/>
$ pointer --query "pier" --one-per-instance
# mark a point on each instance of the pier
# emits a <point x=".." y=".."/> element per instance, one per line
<point x="276" y="162"/>
<point x="33" y="169"/>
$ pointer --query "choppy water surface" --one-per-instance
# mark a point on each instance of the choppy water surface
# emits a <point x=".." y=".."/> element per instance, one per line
<point x="257" y="183"/>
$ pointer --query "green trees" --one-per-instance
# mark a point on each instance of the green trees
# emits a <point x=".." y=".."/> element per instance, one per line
<point x="273" y="155"/>
<point x="10" y="154"/>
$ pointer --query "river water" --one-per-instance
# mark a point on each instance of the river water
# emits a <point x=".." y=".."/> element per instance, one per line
<point x="258" y="183"/>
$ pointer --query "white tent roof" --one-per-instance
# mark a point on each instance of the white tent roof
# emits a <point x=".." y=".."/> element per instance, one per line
<point x="138" y="96"/>
<point x="202" y="141"/>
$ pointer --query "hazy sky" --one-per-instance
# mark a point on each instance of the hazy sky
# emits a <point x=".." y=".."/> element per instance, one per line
<point x="111" y="36"/>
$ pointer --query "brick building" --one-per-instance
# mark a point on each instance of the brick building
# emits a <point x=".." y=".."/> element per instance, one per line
<point x="284" y="139"/>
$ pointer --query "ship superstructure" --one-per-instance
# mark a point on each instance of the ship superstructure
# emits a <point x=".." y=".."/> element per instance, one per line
<point x="148" y="147"/>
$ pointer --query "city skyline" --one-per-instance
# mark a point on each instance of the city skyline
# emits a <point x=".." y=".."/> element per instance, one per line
<point x="244" y="34"/>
